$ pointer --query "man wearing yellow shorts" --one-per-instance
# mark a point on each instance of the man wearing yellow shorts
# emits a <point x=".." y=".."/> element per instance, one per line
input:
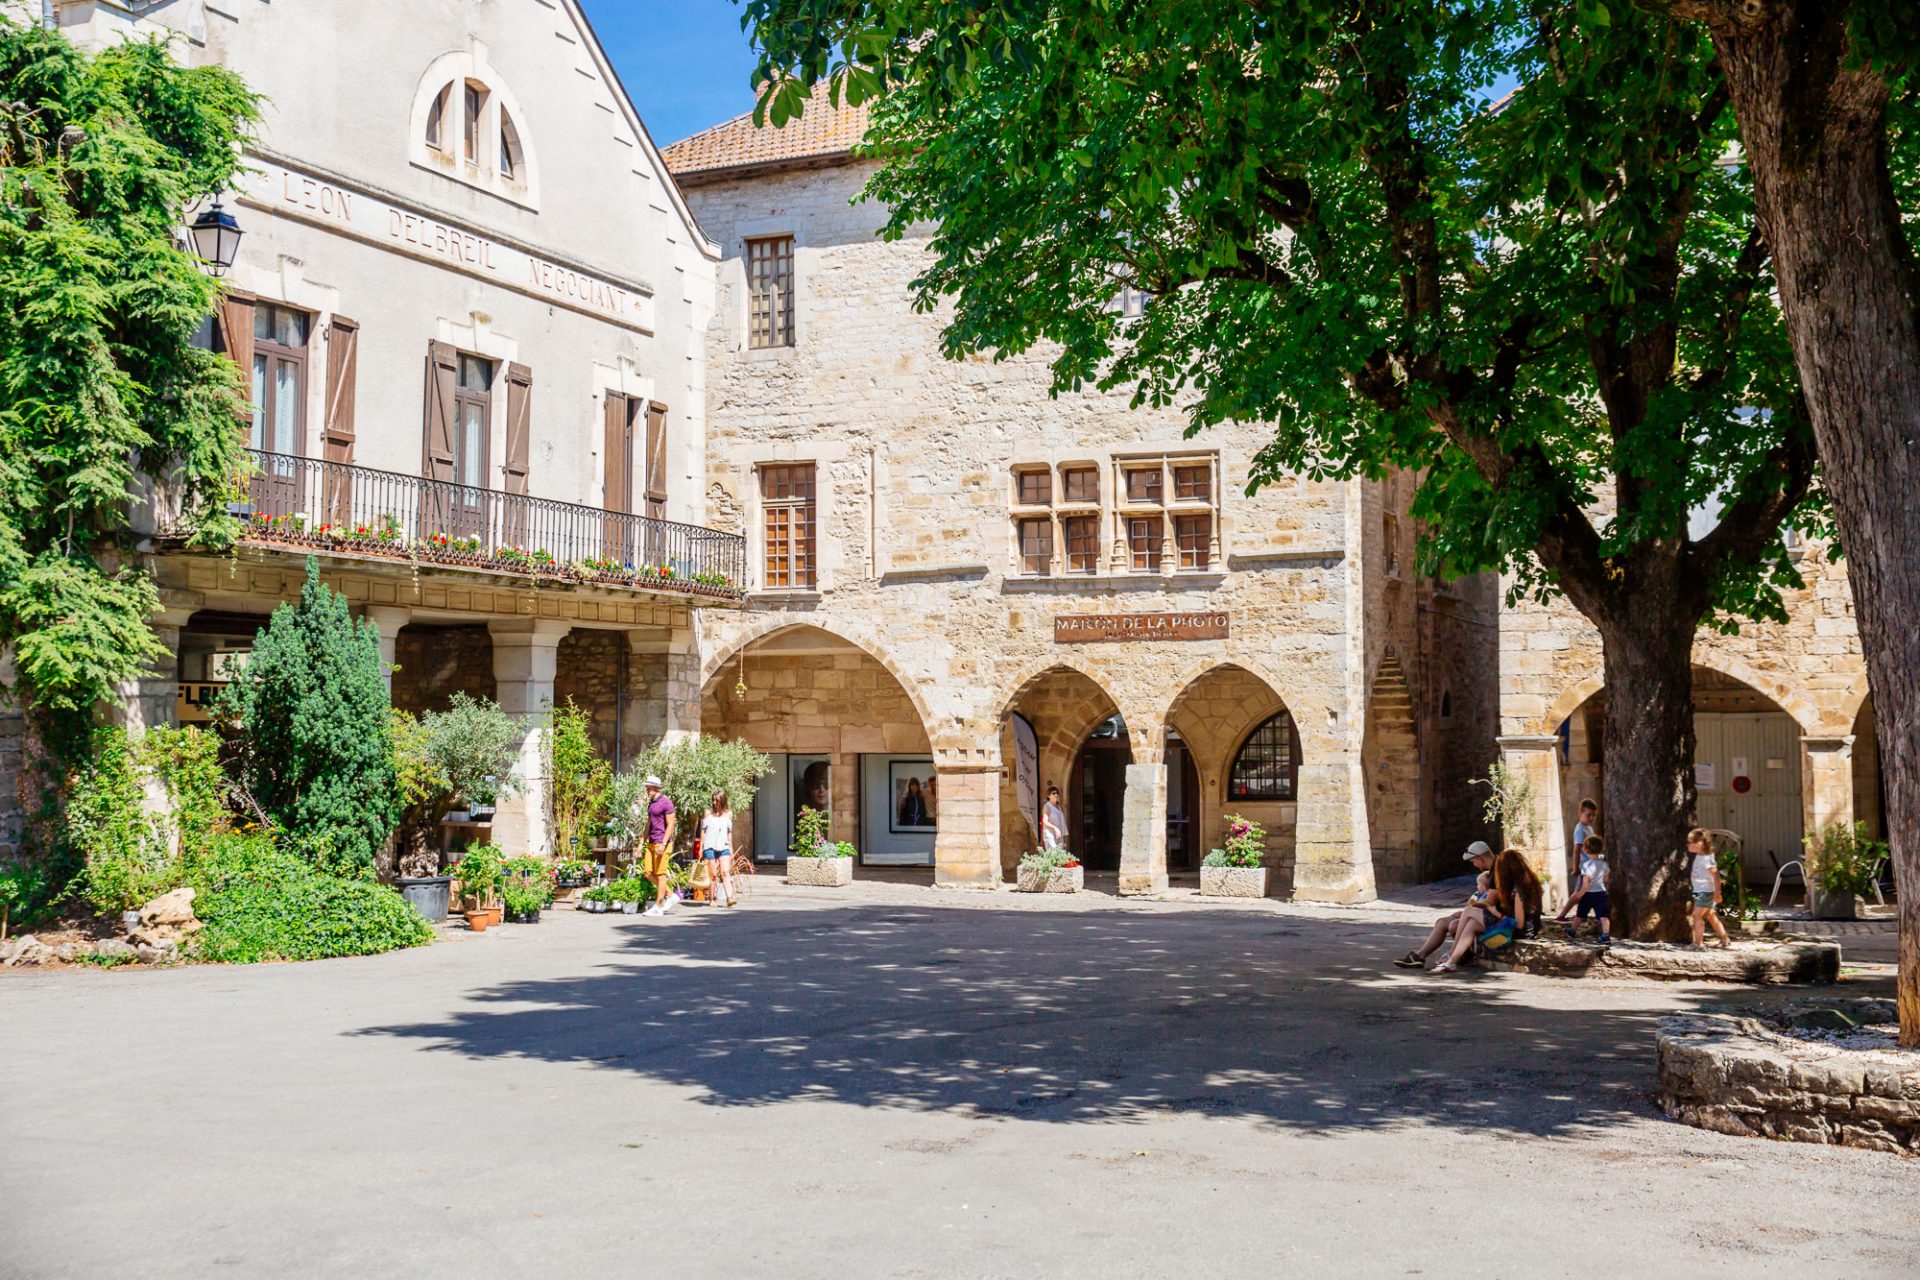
<point x="655" y="859"/>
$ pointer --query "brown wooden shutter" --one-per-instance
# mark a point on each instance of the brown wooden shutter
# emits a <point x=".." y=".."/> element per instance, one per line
<point x="519" y="422"/>
<point x="616" y="452"/>
<point x="656" y="459"/>
<point x="343" y="352"/>
<point x="235" y="321"/>
<point x="437" y="461"/>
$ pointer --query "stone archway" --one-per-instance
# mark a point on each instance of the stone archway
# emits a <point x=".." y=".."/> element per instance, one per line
<point x="1065" y="705"/>
<point x="840" y="723"/>
<point x="1216" y="714"/>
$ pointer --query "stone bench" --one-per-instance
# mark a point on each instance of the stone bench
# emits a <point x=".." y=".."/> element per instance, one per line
<point x="1768" y="963"/>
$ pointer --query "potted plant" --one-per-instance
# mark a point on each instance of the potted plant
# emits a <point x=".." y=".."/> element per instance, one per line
<point x="1050" y="871"/>
<point x="817" y="860"/>
<point x="1842" y="863"/>
<point x="594" y="900"/>
<point x="524" y="899"/>
<point x="463" y="756"/>
<point x="1237" y="871"/>
<point x="630" y="893"/>
<point x="480" y="876"/>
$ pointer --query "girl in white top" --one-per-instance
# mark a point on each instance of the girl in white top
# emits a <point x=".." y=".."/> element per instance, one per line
<point x="716" y="846"/>
<point x="1704" y="873"/>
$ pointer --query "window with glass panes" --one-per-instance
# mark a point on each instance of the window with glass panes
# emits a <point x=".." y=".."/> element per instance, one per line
<point x="1192" y="536"/>
<point x="1143" y="543"/>
<point x="770" y="292"/>
<point x="472" y="402"/>
<point x="1036" y="545"/>
<point x="1264" y="767"/>
<point x="1083" y="543"/>
<point x="1034" y="488"/>
<point x="1144" y="485"/>
<point x="787" y="526"/>
<point x="1192" y="483"/>
<point x="1079" y="484"/>
<point x="279" y="378"/>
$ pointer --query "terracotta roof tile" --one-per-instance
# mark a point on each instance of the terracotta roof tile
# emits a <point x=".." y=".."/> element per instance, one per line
<point x="821" y="132"/>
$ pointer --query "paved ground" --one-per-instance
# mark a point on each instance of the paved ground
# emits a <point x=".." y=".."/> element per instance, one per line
<point x="902" y="1082"/>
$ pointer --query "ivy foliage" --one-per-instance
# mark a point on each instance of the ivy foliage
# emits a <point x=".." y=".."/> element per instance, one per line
<point x="101" y="156"/>
<point x="1554" y="306"/>
<point x="314" y="709"/>
<point x="261" y="903"/>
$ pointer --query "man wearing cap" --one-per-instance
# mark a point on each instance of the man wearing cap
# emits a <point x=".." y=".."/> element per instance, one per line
<point x="1482" y="859"/>
<point x="655" y="861"/>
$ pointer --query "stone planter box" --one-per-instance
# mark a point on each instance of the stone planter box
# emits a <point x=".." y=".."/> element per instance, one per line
<point x="1062" y="880"/>
<point x="1739" y="1075"/>
<point x="1832" y="906"/>
<point x="1233" y="882"/>
<point x="827" y="873"/>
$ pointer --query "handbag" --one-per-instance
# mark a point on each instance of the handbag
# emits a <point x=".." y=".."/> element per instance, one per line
<point x="1500" y="935"/>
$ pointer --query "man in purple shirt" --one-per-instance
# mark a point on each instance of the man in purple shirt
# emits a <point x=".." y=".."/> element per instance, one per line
<point x="654" y="862"/>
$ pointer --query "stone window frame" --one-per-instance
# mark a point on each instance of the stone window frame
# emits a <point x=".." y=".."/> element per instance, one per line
<point x="1113" y="510"/>
<point x="830" y="552"/>
<point x="739" y="303"/>
<point x="810" y="505"/>
<point x="441" y="92"/>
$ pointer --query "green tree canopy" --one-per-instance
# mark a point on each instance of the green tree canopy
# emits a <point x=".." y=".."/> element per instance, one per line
<point x="1556" y="307"/>
<point x="314" y="708"/>
<point x="100" y="383"/>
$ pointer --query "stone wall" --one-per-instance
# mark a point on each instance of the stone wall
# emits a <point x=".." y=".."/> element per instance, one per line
<point x="435" y="662"/>
<point x="588" y="670"/>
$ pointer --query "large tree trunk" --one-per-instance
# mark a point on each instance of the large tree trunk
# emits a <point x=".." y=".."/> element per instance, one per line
<point x="1648" y="747"/>
<point x="1815" y="138"/>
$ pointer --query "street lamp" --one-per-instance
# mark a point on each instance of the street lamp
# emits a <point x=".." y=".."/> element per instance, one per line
<point x="216" y="238"/>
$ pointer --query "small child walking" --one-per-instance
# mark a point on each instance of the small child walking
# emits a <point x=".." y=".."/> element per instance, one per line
<point x="1704" y="873"/>
<point x="1591" y="896"/>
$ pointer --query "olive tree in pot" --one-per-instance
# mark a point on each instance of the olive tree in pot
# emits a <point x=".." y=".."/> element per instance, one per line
<point x="813" y="858"/>
<point x="1237" y="871"/>
<point x="443" y="759"/>
<point x="481" y="875"/>
<point x="1842" y="863"/>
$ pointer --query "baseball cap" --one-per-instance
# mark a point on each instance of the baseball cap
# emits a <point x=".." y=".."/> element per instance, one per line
<point x="1478" y="849"/>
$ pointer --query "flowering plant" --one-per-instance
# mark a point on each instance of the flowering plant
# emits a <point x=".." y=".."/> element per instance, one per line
<point x="1246" y="844"/>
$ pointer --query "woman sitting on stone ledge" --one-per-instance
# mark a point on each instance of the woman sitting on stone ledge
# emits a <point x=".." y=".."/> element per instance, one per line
<point x="1510" y="890"/>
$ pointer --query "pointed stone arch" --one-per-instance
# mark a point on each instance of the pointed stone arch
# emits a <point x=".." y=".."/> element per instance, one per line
<point x="741" y="642"/>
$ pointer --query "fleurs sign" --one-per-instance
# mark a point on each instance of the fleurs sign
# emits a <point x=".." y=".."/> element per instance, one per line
<point x="1092" y="628"/>
<point x="331" y="202"/>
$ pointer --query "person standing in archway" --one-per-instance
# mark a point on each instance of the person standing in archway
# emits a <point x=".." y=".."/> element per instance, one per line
<point x="1053" y="821"/>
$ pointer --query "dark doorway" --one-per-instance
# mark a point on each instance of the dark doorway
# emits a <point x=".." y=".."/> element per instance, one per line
<point x="1183" y="807"/>
<point x="1100" y="788"/>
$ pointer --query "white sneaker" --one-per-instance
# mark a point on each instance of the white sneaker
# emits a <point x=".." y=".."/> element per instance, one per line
<point x="666" y="905"/>
<point x="653" y="910"/>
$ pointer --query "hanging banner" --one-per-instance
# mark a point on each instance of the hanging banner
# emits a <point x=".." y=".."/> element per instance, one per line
<point x="1026" y="772"/>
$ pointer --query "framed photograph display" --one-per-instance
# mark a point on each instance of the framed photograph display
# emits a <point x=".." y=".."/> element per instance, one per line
<point x="914" y="796"/>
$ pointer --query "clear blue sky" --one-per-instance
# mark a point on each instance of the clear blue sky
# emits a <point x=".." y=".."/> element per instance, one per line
<point x="686" y="63"/>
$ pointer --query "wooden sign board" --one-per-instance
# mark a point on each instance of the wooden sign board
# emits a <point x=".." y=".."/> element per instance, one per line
<point x="1094" y="628"/>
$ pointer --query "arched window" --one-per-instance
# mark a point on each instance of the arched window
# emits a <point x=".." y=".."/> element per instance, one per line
<point x="509" y="146"/>
<point x="1266" y="765"/>
<point x="468" y="127"/>
<point x="437" y="120"/>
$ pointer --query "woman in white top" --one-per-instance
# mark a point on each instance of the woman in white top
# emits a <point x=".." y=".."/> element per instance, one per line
<point x="1053" y="822"/>
<point x="716" y="846"/>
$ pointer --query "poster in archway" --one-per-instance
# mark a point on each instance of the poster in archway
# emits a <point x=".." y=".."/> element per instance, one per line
<point x="1026" y="772"/>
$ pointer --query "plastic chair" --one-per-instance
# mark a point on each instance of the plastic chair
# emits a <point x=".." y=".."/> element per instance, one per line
<point x="1797" y="866"/>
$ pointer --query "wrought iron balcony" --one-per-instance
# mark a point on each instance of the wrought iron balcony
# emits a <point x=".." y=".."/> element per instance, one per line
<point x="334" y="506"/>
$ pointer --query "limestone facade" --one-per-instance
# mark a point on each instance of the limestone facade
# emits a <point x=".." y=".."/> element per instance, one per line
<point x="927" y="627"/>
<point x="1787" y="699"/>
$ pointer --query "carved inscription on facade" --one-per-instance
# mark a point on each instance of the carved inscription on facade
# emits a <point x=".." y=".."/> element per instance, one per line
<point x="1093" y="628"/>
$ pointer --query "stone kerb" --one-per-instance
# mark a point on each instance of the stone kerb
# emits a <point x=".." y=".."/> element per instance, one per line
<point x="1739" y="1074"/>
<point x="1765" y="964"/>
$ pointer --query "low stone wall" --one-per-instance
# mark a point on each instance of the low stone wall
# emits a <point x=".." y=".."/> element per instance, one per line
<point x="827" y="873"/>
<point x="1738" y="1074"/>
<point x="1767" y="964"/>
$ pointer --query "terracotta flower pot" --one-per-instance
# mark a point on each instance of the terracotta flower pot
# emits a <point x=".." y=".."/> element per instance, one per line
<point x="494" y="915"/>
<point x="477" y="921"/>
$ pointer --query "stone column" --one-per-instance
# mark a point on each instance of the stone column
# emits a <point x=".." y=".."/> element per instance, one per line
<point x="525" y="656"/>
<point x="1332" y="850"/>
<point x="966" y="843"/>
<point x="1827" y="784"/>
<point x="387" y="620"/>
<point x="1143" y="830"/>
<point x="152" y="698"/>
<point x="1536" y="759"/>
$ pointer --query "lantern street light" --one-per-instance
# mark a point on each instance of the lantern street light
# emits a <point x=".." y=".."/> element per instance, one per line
<point x="216" y="238"/>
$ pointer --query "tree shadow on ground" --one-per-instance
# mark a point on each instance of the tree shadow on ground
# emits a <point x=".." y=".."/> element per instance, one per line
<point x="1082" y="1016"/>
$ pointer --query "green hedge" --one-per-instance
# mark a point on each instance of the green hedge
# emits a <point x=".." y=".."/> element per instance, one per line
<point x="262" y="905"/>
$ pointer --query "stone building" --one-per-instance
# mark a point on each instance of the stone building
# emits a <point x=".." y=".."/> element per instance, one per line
<point x="473" y="305"/>
<point x="965" y="590"/>
<point x="1783" y="718"/>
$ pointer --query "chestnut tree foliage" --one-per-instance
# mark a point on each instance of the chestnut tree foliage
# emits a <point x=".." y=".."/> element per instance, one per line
<point x="1557" y="307"/>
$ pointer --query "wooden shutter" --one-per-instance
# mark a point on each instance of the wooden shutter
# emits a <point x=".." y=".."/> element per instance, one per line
<point x="519" y="422"/>
<point x="343" y="351"/>
<point x="656" y="459"/>
<point x="437" y="460"/>
<point x="617" y="454"/>
<point x="235" y="321"/>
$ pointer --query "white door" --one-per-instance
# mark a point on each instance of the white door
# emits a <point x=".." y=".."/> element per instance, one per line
<point x="1748" y="770"/>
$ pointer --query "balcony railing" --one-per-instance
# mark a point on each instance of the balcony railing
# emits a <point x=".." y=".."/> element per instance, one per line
<point x="307" y="502"/>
